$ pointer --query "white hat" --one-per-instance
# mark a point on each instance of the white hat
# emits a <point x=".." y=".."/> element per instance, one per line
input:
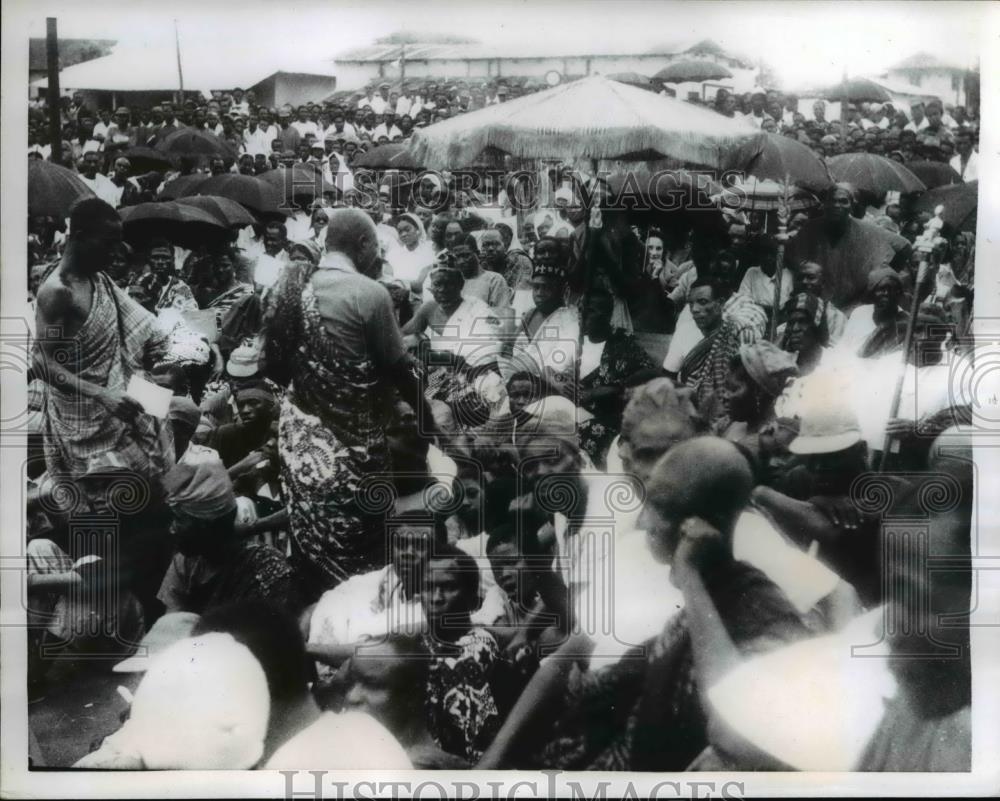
<point x="564" y="193"/>
<point x="202" y="705"/>
<point x="168" y="629"/>
<point x="828" y="425"/>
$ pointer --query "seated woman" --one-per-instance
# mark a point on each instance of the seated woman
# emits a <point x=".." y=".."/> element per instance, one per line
<point x="806" y="334"/>
<point x="462" y="712"/>
<point x="412" y="259"/>
<point x="463" y="341"/>
<point x="608" y="358"/>
<point x="757" y="377"/>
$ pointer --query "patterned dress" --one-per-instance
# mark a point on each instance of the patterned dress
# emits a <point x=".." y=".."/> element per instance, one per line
<point x="462" y="714"/>
<point x="331" y="437"/>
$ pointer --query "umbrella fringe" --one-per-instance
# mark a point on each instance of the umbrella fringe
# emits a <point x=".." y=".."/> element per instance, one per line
<point x="595" y="143"/>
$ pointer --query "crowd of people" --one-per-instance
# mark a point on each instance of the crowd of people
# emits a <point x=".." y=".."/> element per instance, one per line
<point x="416" y="481"/>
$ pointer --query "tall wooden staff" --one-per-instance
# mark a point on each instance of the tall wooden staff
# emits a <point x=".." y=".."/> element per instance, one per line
<point x="925" y="245"/>
<point x="779" y="267"/>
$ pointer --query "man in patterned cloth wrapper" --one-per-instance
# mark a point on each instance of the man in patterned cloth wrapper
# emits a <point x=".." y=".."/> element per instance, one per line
<point x="92" y="337"/>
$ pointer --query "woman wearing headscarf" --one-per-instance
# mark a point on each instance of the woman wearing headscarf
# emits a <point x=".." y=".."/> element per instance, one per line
<point x="878" y="327"/>
<point x="806" y="333"/>
<point x="757" y="377"/>
<point x="412" y="258"/>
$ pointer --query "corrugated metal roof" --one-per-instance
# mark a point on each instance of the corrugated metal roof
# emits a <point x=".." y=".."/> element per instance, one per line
<point x="458" y="52"/>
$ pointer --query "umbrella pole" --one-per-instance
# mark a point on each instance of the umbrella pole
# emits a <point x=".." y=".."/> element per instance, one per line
<point x="843" y="114"/>
<point x="779" y="261"/>
<point x="52" y="94"/>
<point x="926" y="245"/>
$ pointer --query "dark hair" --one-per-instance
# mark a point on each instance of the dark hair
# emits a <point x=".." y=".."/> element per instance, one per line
<point x="470" y="242"/>
<point x="272" y="635"/>
<point x="467" y="569"/>
<point x="420" y="517"/>
<point x="88" y="214"/>
<point x="531" y="378"/>
<point x="718" y="292"/>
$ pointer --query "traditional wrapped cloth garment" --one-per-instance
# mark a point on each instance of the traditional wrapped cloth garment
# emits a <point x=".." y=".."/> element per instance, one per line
<point x="115" y="341"/>
<point x="706" y="366"/>
<point x="331" y="436"/>
<point x="609" y="727"/>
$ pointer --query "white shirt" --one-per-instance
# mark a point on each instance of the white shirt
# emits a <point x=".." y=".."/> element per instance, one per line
<point x="377" y="104"/>
<point x="100" y="129"/>
<point x="971" y="171"/>
<point x="349" y="130"/>
<point x="341" y="741"/>
<point x="382" y="130"/>
<point x="257" y="141"/>
<point x="104" y="188"/>
<point x="590" y="356"/>
<point x="306" y="127"/>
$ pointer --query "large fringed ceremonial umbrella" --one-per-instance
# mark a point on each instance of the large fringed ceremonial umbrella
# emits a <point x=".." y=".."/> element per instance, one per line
<point x="874" y="174"/>
<point x="693" y="70"/>
<point x="53" y="189"/>
<point x="592" y="118"/>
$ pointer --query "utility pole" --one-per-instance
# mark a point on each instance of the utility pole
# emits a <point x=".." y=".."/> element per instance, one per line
<point x="55" y="101"/>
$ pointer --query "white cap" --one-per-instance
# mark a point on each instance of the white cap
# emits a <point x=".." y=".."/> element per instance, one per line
<point x="202" y="705"/>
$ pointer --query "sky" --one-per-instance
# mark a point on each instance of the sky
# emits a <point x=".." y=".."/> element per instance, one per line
<point x="805" y="43"/>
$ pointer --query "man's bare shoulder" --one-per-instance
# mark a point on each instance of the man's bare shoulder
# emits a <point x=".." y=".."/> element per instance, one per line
<point x="55" y="298"/>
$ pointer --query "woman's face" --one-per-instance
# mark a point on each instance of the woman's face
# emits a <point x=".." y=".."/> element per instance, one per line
<point x="737" y="396"/>
<point x="408" y="234"/>
<point x="654" y="249"/>
<point x="426" y="216"/>
<point x="223" y="269"/>
<point x="802" y="334"/>
<point x="452" y="235"/>
<point x="445" y="288"/>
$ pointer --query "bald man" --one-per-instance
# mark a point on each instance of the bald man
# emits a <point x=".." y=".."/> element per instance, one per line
<point x="342" y="367"/>
<point x="696" y="493"/>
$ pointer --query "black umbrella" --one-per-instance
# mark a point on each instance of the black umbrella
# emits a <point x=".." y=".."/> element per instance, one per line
<point x="182" y="186"/>
<point x="692" y="70"/>
<point x="247" y="190"/>
<point x="778" y="158"/>
<point x="857" y="90"/>
<point x="632" y="79"/>
<point x="303" y="183"/>
<point x="934" y="173"/>
<point x="194" y="142"/>
<point x="183" y="225"/>
<point x="228" y="212"/>
<point x="872" y="173"/>
<point x="960" y="201"/>
<point x="146" y="159"/>
<point x="53" y="189"/>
